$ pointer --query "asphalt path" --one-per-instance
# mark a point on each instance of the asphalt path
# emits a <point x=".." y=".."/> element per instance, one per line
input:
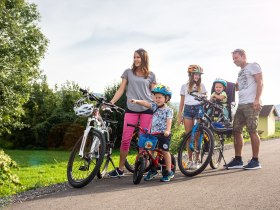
<point x="212" y="189"/>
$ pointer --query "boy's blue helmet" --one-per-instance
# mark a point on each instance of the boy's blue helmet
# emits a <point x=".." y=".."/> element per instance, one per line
<point x="223" y="82"/>
<point x="164" y="90"/>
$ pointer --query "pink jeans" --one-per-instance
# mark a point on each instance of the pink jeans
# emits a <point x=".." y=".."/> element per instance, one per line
<point x="133" y="118"/>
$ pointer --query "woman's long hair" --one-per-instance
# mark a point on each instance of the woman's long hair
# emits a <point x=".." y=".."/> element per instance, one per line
<point x="144" y="62"/>
<point x="192" y="82"/>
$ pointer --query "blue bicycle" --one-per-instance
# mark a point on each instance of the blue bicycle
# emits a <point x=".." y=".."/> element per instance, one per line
<point x="196" y="149"/>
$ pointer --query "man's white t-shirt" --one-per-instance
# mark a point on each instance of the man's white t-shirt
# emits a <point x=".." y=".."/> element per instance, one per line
<point x="247" y="85"/>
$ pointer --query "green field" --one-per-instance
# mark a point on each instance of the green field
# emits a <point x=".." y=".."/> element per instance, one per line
<point x="38" y="168"/>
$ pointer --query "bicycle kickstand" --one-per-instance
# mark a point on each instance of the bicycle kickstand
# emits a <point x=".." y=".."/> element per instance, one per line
<point x="110" y="159"/>
<point x="224" y="159"/>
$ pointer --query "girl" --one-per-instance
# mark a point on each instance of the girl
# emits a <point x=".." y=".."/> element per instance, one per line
<point x="138" y="83"/>
<point x="191" y="106"/>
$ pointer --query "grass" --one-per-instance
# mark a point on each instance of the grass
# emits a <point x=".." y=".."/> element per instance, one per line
<point x="39" y="168"/>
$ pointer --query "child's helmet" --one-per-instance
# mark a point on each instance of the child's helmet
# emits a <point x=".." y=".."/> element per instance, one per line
<point x="195" y="69"/>
<point x="222" y="81"/>
<point x="164" y="90"/>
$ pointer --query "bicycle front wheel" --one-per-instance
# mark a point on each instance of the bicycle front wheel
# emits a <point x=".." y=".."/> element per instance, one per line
<point x="140" y="166"/>
<point x="82" y="170"/>
<point x="193" y="163"/>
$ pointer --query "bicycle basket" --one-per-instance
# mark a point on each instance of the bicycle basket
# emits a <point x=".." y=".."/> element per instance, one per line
<point x="147" y="141"/>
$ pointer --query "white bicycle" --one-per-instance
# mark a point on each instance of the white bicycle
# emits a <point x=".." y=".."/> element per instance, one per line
<point x="86" y="158"/>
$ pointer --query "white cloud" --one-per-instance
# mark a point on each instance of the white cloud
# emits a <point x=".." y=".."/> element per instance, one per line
<point x="92" y="42"/>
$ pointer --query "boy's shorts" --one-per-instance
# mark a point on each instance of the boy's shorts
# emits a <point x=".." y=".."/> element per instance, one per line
<point x="246" y="115"/>
<point x="193" y="112"/>
<point x="164" y="142"/>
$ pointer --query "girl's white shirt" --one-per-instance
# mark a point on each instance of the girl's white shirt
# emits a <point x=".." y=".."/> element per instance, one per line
<point x="189" y="100"/>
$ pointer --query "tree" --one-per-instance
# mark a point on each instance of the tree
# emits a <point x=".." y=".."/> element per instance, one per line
<point x="22" y="46"/>
<point x="48" y="113"/>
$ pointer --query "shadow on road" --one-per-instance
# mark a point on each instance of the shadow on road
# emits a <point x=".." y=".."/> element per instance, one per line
<point x="125" y="183"/>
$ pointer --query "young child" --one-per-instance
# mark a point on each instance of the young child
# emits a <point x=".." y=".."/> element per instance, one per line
<point x="220" y="96"/>
<point x="161" y="122"/>
<point x="191" y="107"/>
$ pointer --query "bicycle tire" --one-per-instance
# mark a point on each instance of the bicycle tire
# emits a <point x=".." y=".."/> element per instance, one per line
<point x="134" y="149"/>
<point x="140" y="166"/>
<point x="217" y="152"/>
<point x="103" y="168"/>
<point x="173" y="161"/>
<point x="81" y="171"/>
<point x="205" y="153"/>
<point x="106" y="160"/>
<point x="130" y="164"/>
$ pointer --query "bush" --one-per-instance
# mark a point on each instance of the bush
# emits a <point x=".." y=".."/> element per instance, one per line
<point x="7" y="178"/>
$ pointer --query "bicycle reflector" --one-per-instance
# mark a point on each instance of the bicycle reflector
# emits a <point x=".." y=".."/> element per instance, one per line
<point x="147" y="141"/>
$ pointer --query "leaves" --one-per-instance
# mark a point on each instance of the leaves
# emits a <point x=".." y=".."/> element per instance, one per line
<point x="22" y="46"/>
<point x="6" y="175"/>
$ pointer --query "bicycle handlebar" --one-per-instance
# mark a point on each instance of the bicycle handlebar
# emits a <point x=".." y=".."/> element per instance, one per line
<point x="204" y="100"/>
<point x="101" y="100"/>
<point x="144" y="130"/>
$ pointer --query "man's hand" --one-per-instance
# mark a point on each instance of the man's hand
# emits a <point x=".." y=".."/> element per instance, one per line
<point x="257" y="105"/>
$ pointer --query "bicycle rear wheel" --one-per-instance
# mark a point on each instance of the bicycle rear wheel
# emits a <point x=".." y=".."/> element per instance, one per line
<point x="217" y="152"/>
<point x="104" y="167"/>
<point x="82" y="170"/>
<point x="204" y="154"/>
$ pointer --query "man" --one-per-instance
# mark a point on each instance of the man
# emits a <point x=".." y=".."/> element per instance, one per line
<point x="250" y="86"/>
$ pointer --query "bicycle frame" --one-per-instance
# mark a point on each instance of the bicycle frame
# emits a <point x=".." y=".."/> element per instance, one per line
<point x="99" y="125"/>
<point x="149" y="154"/>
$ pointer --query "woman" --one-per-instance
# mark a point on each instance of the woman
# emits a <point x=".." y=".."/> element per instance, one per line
<point x="138" y="83"/>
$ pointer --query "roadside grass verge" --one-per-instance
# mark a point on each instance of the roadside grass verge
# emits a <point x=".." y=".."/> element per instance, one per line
<point x="40" y="168"/>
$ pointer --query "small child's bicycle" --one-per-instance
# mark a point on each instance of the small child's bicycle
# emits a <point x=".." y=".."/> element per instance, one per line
<point x="149" y="156"/>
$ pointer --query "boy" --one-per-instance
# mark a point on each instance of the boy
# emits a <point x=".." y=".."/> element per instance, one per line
<point x="161" y="122"/>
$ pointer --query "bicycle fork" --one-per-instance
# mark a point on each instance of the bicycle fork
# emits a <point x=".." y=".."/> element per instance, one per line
<point x="196" y="129"/>
<point x="94" y="146"/>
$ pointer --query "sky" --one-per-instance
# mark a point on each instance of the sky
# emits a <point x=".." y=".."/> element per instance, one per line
<point x="91" y="42"/>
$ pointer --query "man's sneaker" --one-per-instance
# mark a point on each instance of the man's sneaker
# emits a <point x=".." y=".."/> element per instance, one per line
<point x="234" y="164"/>
<point x="150" y="175"/>
<point x="166" y="178"/>
<point x="253" y="165"/>
<point x="116" y="173"/>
